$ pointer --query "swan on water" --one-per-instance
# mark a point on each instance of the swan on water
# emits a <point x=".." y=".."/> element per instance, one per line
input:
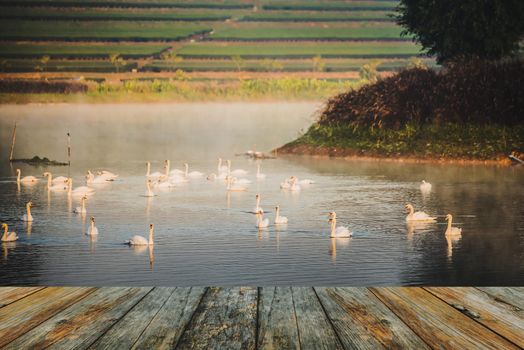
<point x="154" y="175"/>
<point x="234" y="188"/>
<point x="259" y="175"/>
<point x="221" y="168"/>
<point x="294" y="185"/>
<point x="79" y="191"/>
<point x="8" y="236"/>
<point x="174" y="171"/>
<point x="107" y="175"/>
<point x="149" y="192"/>
<point x="236" y="172"/>
<point x="306" y="182"/>
<point x="192" y="174"/>
<point x="27" y="216"/>
<point x="139" y="240"/>
<point x="234" y="180"/>
<point x="452" y="231"/>
<point x="425" y="187"/>
<point x="59" y="186"/>
<point x="261" y="222"/>
<point x="279" y="219"/>
<point x="338" y="232"/>
<point x="212" y="177"/>
<point x="418" y="216"/>
<point x="25" y="179"/>
<point x="92" y="231"/>
<point x="82" y="208"/>
<point x="258" y="209"/>
<point x="91" y="179"/>
<point x="59" y="180"/>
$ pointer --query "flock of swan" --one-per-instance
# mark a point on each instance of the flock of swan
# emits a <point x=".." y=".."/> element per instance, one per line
<point x="169" y="178"/>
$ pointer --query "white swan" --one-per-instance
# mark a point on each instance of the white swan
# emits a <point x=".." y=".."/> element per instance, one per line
<point x="294" y="185"/>
<point x="425" y="187"/>
<point x="154" y="175"/>
<point x="418" y="216"/>
<point x="8" y="236"/>
<point x="259" y="175"/>
<point x="285" y="185"/>
<point x="306" y="182"/>
<point x="27" y="216"/>
<point x="25" y="179"/>
<point x="82" y="208"/>
<point x="235" y="188"/>
<point x="79" y="191"/>
<point x="107" y="175"/>
<point x="59" y="180"/>
<point x="234" y="180"/>
<point x="174" y="171"/>
<point x="338" y="232"/>
<point x="92" y="231"/>
<point x="261" y="222"/>
<point x="193" y="174"/>
<point x="221" y="168"/>
<point x="452" y="231"/>
<point x="91" y="179"/>
<point x="258" y="209"/>
<point x="279" y="219"/>
<point x="236" y="172"/>
<point x="149" y="192"/>
<point x="212" y="177"/>
<point x="139" y="240"/>
<point x="59" y="186"/>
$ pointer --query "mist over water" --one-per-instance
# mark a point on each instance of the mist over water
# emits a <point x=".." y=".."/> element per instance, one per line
<point x="205" y="236"/>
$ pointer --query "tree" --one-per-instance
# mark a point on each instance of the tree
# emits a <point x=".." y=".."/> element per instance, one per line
<point x="238" y="61"/>
<point x="451" y="29"/>
<point x="369" y="72"/>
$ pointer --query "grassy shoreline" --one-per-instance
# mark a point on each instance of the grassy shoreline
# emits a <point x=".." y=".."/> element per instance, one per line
<point x="451" y="142"/>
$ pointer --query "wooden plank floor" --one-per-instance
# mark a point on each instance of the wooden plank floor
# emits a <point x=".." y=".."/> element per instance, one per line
<point x="263" y="318"/>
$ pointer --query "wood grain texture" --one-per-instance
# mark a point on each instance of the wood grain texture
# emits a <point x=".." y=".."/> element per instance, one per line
<point x="438" y="324"/>
<point x="166" y="328"/>
<point x="504" y="319"/>
<point x="363" y="322"/>
<point x="80" y="325"/>
<point x="128" y="329"/>
<point x="510" y="295"/>
<point x="25" y="314"/>
<point x="225" y="319"/>
<point x="277" y="323"/>
<point x="315" y="330"/>
<point x="9" y="295"/>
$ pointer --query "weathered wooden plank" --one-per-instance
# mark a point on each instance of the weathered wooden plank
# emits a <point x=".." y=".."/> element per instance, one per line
<point x="169" y="323"/>
<point x="506" y="320"/>
<point x="363" y="322"/>
<point x="510" y="295"/>
<point x="19" y="317"/>
<point x="277" y="323"/>
<point x="80" y="325"/>
<point x="437" y="323"/>
<point x="225" y="319"/>
<point x="9" y="295"/>
<point x="128" y="329"/>
<point x="314" y="329"/>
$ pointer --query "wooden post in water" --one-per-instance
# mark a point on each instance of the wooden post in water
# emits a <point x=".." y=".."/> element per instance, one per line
<point x="68" y="155"/>
<point x="13" y="144"/>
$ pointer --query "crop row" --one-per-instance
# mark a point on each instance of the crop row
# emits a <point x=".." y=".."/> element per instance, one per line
<point x="94" y="31"/>
<point x="332" y="6"/>
<point x="317" y="16"/>
<point x="91" y="66"/>
<point x="80" y="51"/>
<point x="128" y="4"/>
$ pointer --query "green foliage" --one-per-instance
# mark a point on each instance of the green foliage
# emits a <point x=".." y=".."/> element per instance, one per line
<point x="369" y="73"/>
<point x="117" y="61"/>
<point x="318" y="64"/>
<point x="453" y="29"/>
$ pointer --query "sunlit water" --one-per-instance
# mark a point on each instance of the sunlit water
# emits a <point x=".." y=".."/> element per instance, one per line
<point x="205" y="236"/>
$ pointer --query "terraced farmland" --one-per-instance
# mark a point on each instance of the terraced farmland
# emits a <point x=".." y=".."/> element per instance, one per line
<point x="166" y="37"/>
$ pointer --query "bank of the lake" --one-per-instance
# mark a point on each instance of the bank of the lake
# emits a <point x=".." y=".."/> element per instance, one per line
<point x="467" y="112"/>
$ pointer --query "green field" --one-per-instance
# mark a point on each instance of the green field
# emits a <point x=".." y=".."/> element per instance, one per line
<point x="271" y="65"/>
<point x="360" y="31"/>
<point x="331" y="5"/>
<point x="103" y="14"/>
<point x="92" y="31"/>
<point x="92" y="66"/>
<point x="316" y="16"/>
<point x="80" y="51"/>
<point x="299" y="50"/>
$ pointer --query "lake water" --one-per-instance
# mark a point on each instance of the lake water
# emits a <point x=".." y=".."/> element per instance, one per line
<point x="205" y="236"/>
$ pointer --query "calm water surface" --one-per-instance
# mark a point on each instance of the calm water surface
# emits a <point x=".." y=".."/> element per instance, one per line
<point x="205" y="236"/>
